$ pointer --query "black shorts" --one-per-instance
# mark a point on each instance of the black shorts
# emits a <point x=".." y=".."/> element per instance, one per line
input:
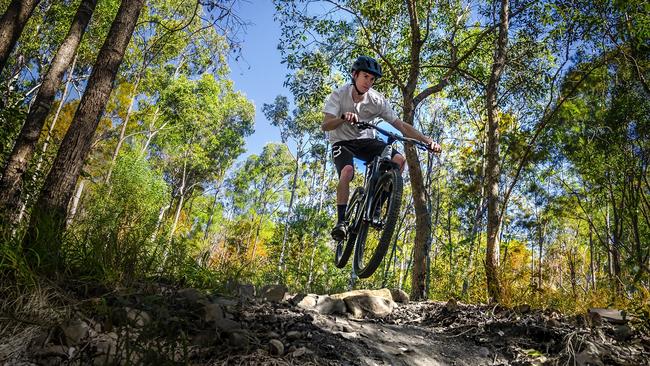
<point x="343" y="152"/>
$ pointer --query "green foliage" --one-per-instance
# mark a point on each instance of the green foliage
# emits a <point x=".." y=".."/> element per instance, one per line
<point x="14" y="269"/>
<point x="113" y="239"/>
<point x="11" y="119"/>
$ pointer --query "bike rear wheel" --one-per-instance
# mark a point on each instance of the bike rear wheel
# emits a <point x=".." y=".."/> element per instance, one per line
<point x="344" y="247"/>
<point x="373" y="238"/>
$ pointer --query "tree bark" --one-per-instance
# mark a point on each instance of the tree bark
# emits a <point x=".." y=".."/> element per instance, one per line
<point x="213" y="208"/>
<point x="592" y="271"/>
<point x="13" y="174"/>
<point x="281" y="264"/>
<point x="493" y="168"/>
<point x="125" y="124"/>
<point x="75" y="203"/>
<point x="11" y="26"/>
<point x="60" y="182"/>
<point x="422" y="214"/>
<point x="48" y="136"/>
<point x="541" y="230"/>
<point x="181" y="200"/>
<point x="478" y="219"/>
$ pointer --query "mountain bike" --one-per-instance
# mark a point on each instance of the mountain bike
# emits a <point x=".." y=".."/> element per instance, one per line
<point x="373" y="209"/>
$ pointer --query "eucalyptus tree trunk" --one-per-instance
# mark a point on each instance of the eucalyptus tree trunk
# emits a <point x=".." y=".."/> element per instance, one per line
<point x="152" y="132"/>
<point x="48" y="136"/>
<point x="572" y="270"/>
<point x="11" y="26"/>
<point x="478" y="219"/>
<point x="55" y="119"/>
<point x="452" y="268"/>
<point x="419" y="192"/>
<point x="75" y="203"/>
<point x="75" y="147"/>
<point x="541" y="231"/>
<point x="213" y="208"/>
<point x="120" y="139"/>
<point x="410" y="102"/>
<point x="391" y="258"/>
<point x="495" y="291"/>
<point x="161" y="216"/>
<point x="436" y="219"/>
<point x="281" y="264"/>
<point x="181" y="199"/>
<point x="321" y="193"/>
<point x="11" y="184"/>
<point x="592" y="271"/>
<point x="409" y="263"/>
<point x="320" y="207"/>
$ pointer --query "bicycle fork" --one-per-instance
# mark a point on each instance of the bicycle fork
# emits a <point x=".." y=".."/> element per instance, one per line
<point x="372" y="176"/>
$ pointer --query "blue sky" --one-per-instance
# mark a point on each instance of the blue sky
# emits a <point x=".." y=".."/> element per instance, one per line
<point x="259" y="74"/>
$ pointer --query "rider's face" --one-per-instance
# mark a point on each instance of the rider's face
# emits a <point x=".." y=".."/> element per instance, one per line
<point x="364" y="81"/>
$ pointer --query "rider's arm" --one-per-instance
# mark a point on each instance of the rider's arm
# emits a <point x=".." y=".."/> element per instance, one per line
<point x="409" y="131"/>
<point x="331" y="122"/>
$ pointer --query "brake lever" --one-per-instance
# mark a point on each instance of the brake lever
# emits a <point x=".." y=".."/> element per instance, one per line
<point x="360" y="125"/>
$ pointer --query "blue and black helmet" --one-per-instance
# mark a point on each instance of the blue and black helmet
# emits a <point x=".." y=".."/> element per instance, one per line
<point x="367" y="64"/>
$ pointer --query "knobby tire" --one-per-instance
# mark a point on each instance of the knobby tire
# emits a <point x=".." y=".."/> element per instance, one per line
<point x="365" y="270"/>
<point x="344" y="247"/>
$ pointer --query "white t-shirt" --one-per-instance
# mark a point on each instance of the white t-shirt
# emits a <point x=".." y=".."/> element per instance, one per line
<point x="372" y="106"/>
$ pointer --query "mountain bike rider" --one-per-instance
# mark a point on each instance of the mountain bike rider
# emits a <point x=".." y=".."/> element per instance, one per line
<point x="348" y="105"/>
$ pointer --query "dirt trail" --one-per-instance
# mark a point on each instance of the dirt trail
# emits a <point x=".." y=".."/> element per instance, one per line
<point x="374" y="343"/>
<point x="163" y="326"/>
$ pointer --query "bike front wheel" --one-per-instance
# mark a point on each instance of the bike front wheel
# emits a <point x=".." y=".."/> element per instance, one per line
<point x="344" y="247"/>
<point x="374" y="236"/>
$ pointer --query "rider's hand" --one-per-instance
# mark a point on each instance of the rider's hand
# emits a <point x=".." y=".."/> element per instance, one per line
<point x="432" y="146"/>
<point x="350" y="117"/>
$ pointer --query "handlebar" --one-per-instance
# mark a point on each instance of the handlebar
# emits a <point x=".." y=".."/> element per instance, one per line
<point x="419" y="144"/>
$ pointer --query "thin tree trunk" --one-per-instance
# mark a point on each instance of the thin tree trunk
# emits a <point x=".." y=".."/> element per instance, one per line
<point x="311" y="263"/>
<point x="11" y="184"/>
<point x="11" y="26"/>
<point x="161" y="215"/>
<point x="320" y="207"/>
<point x="540" y="239"/>
<point x="592" y="271"/>
<point x="152" y="133"/>
<point x="257" y="235"/>
<point x="281" y="265"/>
<point x="75" y="203"/>
<point x="120" y="139"/>
<point x="572" y="271"/>
<point x="409" y="263"/>
<point x="181" y="198"/>
<point x="493" y="169"/>
<point x="55" y="119"/>
<point x="452" y="268"/>
<point x="478" y="219"/>
<point x="394" y="248"/>
<point x="60" y="182"/>
<point x="427" y="283"/>
<point x="321" y="194"/>
<point x="214" y="207"/>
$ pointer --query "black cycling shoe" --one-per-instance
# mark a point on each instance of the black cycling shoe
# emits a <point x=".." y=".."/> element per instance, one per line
<point x="340" y="231"/>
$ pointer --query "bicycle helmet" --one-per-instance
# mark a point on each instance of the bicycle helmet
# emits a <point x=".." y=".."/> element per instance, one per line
<point x="367" y="64"/>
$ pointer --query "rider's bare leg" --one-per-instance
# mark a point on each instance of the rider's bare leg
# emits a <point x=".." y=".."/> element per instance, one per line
<point x="400" y="160"/>
<point x="342" y="194"/>
<point x="343" y="188"/>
